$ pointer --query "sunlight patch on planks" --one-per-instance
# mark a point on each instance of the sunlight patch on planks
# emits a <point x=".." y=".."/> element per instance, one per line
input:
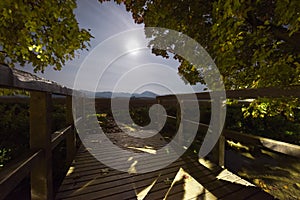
<point x="140" y="195"/>
<point x="191" y="188"/>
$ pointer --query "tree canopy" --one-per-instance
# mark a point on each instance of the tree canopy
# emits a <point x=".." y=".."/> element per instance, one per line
<point x="40" y="33"/>
<point x="254" y="43"/>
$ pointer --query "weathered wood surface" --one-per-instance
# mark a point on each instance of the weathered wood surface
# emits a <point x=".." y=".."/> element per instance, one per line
<point x="40" y="138"/>
<point x="13" y="78"/>
<point x="261" y="142"/>
<point x="274" y="145"/>
<point x="186" y="178"/>
<point x="26" y="99"/>
<point x="71" y="136"/>
<point x="244" y="138"/>
<point x="271" y="92"/>
<point x="59" y="136"/>
<point x="17" y="170"/>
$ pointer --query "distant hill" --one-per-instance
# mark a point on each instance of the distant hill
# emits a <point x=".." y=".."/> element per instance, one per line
<point x="146" y="94"/>
<point x="103" y="95"/>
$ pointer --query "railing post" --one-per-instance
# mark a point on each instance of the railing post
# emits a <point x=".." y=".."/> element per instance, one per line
<point x="221" y="144"/>
<point x="222" y="139"/>
<point x="179" y="121"/>
<point x="158" y="121"/>
<point x="218" y="151"/>
<point x="84" y="111"/>
<point x="70" y="137"/>
<point x="40" y="138"/>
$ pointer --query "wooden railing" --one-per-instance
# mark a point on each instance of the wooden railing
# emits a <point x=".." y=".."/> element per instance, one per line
<point x="260" y="142"/>
<point x="38" y="161"/>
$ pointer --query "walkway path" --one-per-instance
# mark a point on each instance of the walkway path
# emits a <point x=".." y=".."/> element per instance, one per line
<point x="186" y="178"/>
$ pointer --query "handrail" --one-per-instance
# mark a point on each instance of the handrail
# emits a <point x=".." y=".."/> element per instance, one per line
<point x="13" y="78"/>
<point x="26" y="99"/>
<point x="241" y="94"/>
<point x="41" y="91"/>
<point x="16" y="171"/>
<point x="78" y="120"/>
<point x="249" y="93"/>
<point x="12" y="174"/>
<point x="59" y="136"/>
<point x="265" y="143"/>
<point x="40" y="103"/>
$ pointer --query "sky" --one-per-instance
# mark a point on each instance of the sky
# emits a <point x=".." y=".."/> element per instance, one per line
<point x="118" y="59"/>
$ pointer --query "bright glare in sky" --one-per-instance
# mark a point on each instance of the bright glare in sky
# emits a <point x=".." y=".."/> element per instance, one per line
<point x="105" y="21"/>
<point x="132" y="45"/>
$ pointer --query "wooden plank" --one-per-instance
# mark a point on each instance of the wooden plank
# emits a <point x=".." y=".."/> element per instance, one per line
<point x="83" y="164"/>
<point x="40" y="138"/>
<point x="271" y="92"/>
<point x="274" y="145"/>
<point x="87" y="181"/>
<point x="246" y="193"/>
<point x="6" y="75"/>
<point x="101" y="187"/>
<point x="92" y="184"/>
<point x="222" y="183"/>
<point x="83" y="179"/>
<point x="178" y="163"/>
<point x="112" y="180"/>
<point x="218" y="187"/>
<point x="160" y="189"/>
<point x="261" y="195"/>
<point x="26" y="99"/>
<point x="118" y="162"/>
<point x="13" y="173"/>
<point x="193" y="167"/>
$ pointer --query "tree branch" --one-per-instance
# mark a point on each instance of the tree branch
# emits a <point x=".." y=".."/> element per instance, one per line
<point x="280" y="33"/>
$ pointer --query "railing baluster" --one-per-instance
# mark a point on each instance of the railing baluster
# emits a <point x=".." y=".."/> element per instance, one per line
<point x="180" y="123"/>
<point x="218" y="152"/>
<point x="70" y="138"/>
<point x="221" y="144"/>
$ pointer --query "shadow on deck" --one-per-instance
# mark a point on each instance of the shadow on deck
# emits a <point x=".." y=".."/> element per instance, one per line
<point x="186" y="178"/>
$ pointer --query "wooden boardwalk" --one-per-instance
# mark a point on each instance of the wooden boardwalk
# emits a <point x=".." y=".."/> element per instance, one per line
<point x="186" y="178"/>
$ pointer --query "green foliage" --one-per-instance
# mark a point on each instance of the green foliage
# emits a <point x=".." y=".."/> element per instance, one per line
<point x="140" y="116"/>
<point x="189" y="72"/>
<point x="254" y="121"/>
<point x="9" y="92"/>
<point x="14" y="130"/>
<point x="101" y="116"/>
<point x="271" y="107"/>
<point x="40" y="33"/>
<point x="254" y="43"/>
<point x="4" y="156"/>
